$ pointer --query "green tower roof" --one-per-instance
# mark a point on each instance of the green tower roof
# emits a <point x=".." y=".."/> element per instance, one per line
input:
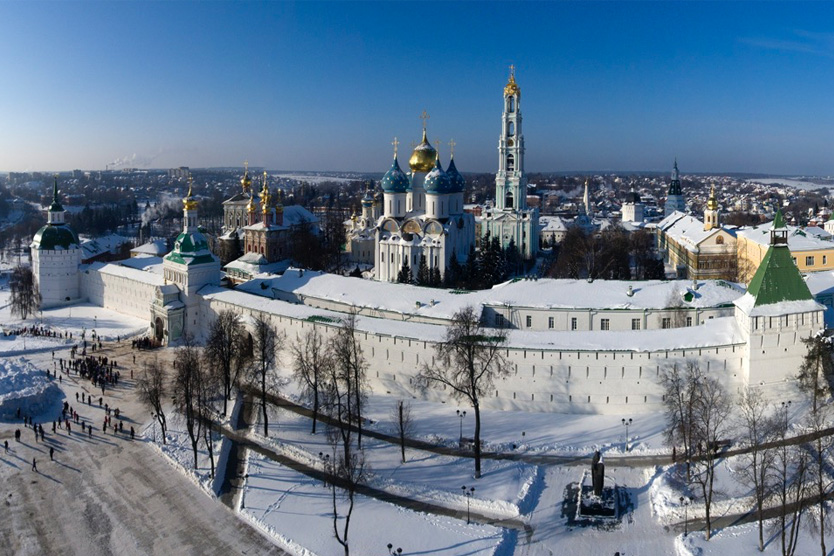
<point x="777" y="279"/>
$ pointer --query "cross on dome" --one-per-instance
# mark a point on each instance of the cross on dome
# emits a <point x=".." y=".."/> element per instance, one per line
<point x="396" y="144"/>
<point x="452" y="144"/>
<point x="425" y="117"/>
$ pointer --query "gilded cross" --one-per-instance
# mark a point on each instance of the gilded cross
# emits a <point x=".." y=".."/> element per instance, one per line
<point x="437" y="143"/>
<point x="452" y="146"/>
<point x="512" y="70"/>
<point x="425" y="117"/>
<point x="396" y="144"/>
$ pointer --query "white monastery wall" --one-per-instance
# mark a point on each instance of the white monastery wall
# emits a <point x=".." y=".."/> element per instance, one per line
<point x="56" y="273"/>
<point x="118" y="293"/>
<point x="549" y="380"/>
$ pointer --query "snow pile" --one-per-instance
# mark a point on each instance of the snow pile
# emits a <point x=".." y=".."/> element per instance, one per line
<point x="24" y="387"/>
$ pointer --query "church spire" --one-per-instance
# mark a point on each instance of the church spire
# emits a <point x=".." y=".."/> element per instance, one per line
<point x="55" y="214"/>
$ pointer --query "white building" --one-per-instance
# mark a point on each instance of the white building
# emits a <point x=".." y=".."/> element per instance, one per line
<point x="511" y="220"/>
<point x="422" y="217"/>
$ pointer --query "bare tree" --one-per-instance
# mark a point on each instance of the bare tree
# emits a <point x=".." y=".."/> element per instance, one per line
<point x="311" y="356"/>
<point x="792" y="462"/>
<point x="210" y="388"/>
<point x="680" y="394"/>
<point x="710" y="424"/>
<point x="349" y="470"/>
<point x="352" y="367"/>
<point x="152" y="390"/>
<point x="268" y="342"/>
<point x="187" y="378"/>
<point x="819" y="451"/>
<point x="468" y="362"/>
<point x="25" y="298"/>
<point x="401" y="415"/>
<point x="757" y="427"/>
<point x="227" y="351"/>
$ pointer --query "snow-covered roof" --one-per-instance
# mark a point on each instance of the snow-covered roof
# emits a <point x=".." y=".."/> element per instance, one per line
<point x="542" y="294"/>
<point x="686" y="230"/>
<point x="93" y="247"/>
<point x="148" y="264"/>
<point x="296" y="214"/>
<point x="820" y="282"/>
<point x="747" y="304"/>
<point x="798" y="239"/>
<point x="116" y="269"/>
<point x="553" y="224"/>
<point x="157" y="247"/>
<point x="720" y="332"/>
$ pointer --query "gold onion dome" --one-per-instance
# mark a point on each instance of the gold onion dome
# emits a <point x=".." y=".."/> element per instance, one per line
<point x="265" y="196"/>
<point x="712" y="204"/>
<point x="189" y="202"/>
<point x="422" y="159"/>
<point x="250" y="206"/>
<point x="246" y="181"/>
<point x="512" y="87"/>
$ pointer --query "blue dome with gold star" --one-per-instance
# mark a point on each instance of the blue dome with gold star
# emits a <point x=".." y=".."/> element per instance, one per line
<point x="457" y="180"/>
<point x="437" y="181"/>
<point x="394" y="180"/>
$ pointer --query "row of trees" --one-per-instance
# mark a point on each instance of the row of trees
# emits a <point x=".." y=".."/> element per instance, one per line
<point x="790" y="475"/>
<point x="613" y="254"/>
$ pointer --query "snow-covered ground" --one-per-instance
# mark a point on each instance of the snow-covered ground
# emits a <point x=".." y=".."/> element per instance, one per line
<point x="295" y="510"/>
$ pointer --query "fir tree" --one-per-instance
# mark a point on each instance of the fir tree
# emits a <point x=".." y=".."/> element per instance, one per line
<point x="423" y="274"/>
<point x="404" y="276"/>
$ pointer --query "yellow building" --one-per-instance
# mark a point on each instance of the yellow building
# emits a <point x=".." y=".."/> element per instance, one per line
<point x="810" y="252"/>
<point x="697" y="251"/>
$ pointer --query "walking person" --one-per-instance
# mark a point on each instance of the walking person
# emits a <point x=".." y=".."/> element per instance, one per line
<point x="34" y="465"/>
<point x="51" y="453"/>
<point x="6" y="445"/>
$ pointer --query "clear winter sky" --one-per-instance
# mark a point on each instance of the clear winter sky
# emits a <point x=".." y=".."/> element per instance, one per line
<point x="744" y="87"/>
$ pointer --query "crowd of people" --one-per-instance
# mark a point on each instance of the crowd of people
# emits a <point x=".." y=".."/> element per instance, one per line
<point x="35" y="330"/>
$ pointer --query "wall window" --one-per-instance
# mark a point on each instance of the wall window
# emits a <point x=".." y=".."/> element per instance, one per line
<point x="499" y="320"/>
<point x="511" y="104"/>
<point x="604" y="324"/>
<point x="688" y="321"/>
<point x="551" y="322"/>
<point x="573" y="323"/>
<point x="825" y="259"/>
<point x="666" y="322"/>
<point x="510" y="163"/>
<point x="529" y="321"/>
<point x="635" y="324"/>
<point x="809" y="261"/>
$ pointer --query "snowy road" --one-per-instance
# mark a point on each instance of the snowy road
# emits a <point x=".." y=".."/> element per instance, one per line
<point x="108" y="495"/>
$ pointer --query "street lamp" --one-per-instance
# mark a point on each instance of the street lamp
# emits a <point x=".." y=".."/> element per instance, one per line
<point x="685" y="504"/>
<point x="626" y="422"/>
<point x="468" y="494"/>
<point x="461" y="415"/>
<point x="325" y="458"/>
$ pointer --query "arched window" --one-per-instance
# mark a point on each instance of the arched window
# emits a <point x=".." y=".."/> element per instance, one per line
<point x="511" y="104"/>
<point x="510" y="129"/>
<point x="508" y="201"/>
<point x="719" y="240"/>
<point x="510" y="163"/>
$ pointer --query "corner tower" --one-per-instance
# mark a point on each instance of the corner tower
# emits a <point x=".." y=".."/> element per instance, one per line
<point x="56" y="255"/>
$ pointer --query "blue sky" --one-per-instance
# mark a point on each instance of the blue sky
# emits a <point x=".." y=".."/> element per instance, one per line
<point x="737" y="87"/>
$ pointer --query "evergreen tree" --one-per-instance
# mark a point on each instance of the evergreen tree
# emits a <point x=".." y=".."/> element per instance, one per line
<point x="423" y="274"/>
<point x="435" y="280"/>
<point x="513" y="259"/>
<point x="404" y="276"/>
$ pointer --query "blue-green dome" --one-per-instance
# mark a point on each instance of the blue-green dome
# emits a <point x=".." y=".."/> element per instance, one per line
<point x="437" y="181"/>
<point x="55" y="236"/>
<point x="458" y="181"/>
<point x="394" y="180"/>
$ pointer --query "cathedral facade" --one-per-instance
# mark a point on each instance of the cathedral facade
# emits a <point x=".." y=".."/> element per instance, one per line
<point x="511" y="220"/>
<point x="422" y="219"/>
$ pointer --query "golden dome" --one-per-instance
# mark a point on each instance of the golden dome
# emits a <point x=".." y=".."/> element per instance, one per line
<point x="246" y="181"/>
<point x="712" y="204"/>
<point x="189" y="202"/>
<point x="512" y="87"/>
<point x="422" y="159"/>
<point x="265" y="196"/>
<point x="250" y="206"/>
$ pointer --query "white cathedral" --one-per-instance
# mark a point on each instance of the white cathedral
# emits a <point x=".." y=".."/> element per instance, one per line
<point x="575" y="346"/>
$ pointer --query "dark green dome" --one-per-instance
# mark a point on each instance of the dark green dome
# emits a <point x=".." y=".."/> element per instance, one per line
<point x="458" y="182"/>
<point x="437" y="181"/>
<point x="55" y="236"/>
<point x="394" y="180"/>
<point x="190" y="242"/>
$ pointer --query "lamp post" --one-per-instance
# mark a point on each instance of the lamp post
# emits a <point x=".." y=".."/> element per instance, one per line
<point x="626" y="422"/>
<point x="685" y="504"/>
<point x="468" y="494"/>
<point x="325" y="458"/>
<point x="461" y="415"/>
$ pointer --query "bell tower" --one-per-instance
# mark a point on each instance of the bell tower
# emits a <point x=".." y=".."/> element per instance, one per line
<point x="510" y="181"/>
